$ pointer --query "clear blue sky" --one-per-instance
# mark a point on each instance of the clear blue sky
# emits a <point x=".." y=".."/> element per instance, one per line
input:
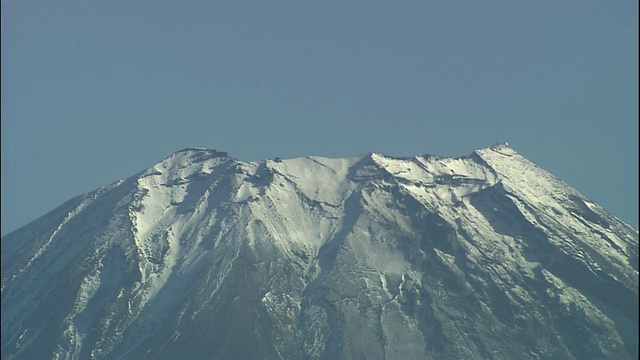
<point x="95" y="91"/>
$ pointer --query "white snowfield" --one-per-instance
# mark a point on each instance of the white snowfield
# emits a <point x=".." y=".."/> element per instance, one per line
<point x="205" y="256"/>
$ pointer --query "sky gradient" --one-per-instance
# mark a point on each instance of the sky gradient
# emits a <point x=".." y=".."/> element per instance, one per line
<point x="96" y="91"/>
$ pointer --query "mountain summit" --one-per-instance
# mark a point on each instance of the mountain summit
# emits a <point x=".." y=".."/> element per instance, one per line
<point x="202" y="256"/>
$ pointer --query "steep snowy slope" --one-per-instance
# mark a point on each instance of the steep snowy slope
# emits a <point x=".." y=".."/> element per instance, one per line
<point x="204" y="256"/>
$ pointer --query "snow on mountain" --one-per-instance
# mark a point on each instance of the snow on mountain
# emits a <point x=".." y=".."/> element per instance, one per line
<point x="204" y="256"/>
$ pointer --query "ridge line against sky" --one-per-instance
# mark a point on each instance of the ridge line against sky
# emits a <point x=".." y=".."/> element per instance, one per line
<point x="93" y="92"/>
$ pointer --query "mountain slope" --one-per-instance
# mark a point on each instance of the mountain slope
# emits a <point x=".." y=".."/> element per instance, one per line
<point x="204" y="256"/>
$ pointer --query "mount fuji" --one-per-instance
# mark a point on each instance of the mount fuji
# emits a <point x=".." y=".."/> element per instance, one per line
<point x="202" y="256"/>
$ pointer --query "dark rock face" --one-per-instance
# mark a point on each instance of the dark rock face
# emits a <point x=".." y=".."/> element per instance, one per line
<point x="206" y="257"/>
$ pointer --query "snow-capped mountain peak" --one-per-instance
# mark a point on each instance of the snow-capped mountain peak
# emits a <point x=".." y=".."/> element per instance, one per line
<point x="205" y="256"/>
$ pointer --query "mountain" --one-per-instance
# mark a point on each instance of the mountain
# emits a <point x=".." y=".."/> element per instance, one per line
<point x="203" y="256"/>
